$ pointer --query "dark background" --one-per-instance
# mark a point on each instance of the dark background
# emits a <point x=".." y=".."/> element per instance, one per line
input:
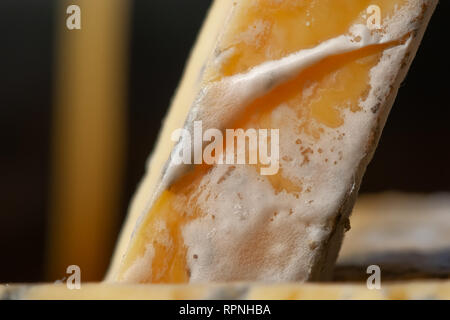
<point x="413" y="154"/>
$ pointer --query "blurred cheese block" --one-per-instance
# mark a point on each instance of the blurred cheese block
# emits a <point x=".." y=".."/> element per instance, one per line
<point x="386" y="229"/>
<point x="253" y="291"/>
<point x="324" y="75"/>
<point x="407" y="235"/>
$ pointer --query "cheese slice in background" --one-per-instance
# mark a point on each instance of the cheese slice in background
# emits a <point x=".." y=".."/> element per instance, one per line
<point x="230" y="291"/>
<point x="325" y="74"/>
<point x="406" y="235"/>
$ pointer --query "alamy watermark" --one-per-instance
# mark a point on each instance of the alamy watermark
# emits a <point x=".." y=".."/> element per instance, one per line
<point x="73" y="21"/>
<point x="73" y="280"/>
<point x="238" y="146"/>
<point x="374" y="280"/>
<point x="373" y="17"/>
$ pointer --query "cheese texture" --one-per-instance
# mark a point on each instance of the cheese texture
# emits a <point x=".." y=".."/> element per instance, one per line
<point x="252" y="291"/>
<point x="322" y="75"/>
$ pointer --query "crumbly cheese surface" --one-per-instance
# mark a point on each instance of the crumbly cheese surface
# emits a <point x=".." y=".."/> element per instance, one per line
<point x="228" y="222"/>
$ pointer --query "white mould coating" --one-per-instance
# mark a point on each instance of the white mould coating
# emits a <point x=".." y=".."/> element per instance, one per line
<point x="221" y="102"/>
<point x="251" y="232"/>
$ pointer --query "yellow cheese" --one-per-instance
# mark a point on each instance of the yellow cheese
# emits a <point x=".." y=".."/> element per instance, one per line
<point x="322" y="73"/>
<point x="258" y="291"/>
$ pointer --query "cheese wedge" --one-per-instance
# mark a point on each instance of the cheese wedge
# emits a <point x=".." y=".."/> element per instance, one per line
<point x="243" y="291"/>
<point x="323" y="74"/>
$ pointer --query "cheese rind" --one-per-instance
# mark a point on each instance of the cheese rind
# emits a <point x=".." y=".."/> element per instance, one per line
<point x="329" y="101"/>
